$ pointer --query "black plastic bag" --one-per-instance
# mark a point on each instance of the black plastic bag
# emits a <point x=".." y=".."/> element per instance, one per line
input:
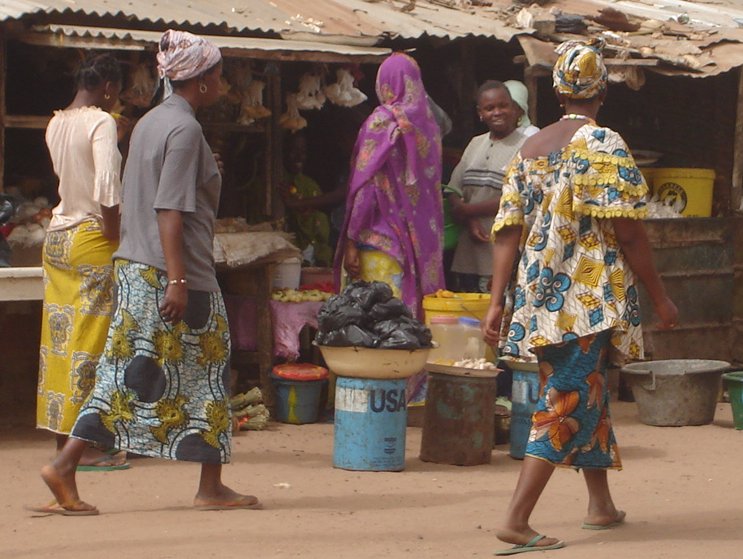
<point x="369" y="294"/>
<point x="403" y="333"/>
<point x="352" y="335"/>
<point x="340" y="311"/>
<point x="394" y="308"/>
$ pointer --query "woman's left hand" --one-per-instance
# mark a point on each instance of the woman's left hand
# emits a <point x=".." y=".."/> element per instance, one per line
<point x="492" y="323"/>
<point x="173" y="306"/>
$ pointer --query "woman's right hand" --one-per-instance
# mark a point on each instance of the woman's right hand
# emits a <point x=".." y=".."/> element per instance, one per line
<point x="667" y="313"/>
<point x="476" y="232"/>
<point x="492" y="323"/>
<point x="173" y="305"/>
<point x="351" y="260"/>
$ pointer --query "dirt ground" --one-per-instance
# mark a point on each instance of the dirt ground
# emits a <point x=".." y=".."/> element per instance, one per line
<point x="681" y="488"/>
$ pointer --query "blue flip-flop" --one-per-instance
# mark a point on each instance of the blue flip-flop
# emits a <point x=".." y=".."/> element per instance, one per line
<point x="531" y="545"/>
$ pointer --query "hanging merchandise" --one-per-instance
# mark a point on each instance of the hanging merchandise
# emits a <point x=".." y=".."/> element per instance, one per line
<point x="143" y="87"/>
<point x="291" y="119"/>
<point x="252" y="108"/>
<point x="343" y="92"/>
<point x="310" y="95"/>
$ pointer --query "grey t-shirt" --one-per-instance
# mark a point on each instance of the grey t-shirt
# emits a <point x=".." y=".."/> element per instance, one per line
<point x="170" y="167"/>
<point x="479" y="175"/>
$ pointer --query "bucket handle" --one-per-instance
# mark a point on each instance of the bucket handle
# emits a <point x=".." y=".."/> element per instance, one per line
<point x="470" y="312"/>
<point x="653" y="385"/>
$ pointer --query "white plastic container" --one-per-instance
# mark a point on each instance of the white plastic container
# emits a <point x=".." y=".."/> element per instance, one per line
<point x="287" y="273"/>
<point x="472" y="346"/>
<point x="448" y="335"/>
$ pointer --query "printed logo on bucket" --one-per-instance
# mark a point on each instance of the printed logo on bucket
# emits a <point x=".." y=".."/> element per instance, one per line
<point x="376" y="401"/>
<point x="672" y="195"/>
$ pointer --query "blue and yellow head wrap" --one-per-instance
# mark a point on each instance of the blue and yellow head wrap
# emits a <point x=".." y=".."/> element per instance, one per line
<point x="579" y="72"/>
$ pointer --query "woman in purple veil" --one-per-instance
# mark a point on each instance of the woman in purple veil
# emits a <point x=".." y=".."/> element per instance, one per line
<point x="393" y="226"/>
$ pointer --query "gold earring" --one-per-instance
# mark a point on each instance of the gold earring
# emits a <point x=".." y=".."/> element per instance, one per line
<point x="106" y="96"/>
<point x="202" y="88"/>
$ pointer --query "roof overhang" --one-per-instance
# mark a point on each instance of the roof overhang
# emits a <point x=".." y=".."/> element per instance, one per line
<point x="73" y="36"/>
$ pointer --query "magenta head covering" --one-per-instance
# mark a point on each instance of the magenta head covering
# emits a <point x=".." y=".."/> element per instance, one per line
<point x="394" y="191"/>
<point x="183" y="56"/>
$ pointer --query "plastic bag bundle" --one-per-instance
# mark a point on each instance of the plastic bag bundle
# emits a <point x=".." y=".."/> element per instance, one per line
<point x="367" y="315"/>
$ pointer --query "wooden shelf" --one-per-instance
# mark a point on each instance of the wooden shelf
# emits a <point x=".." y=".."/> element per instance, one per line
<point x="32" y="122"/>
<point x="257" y="128"/>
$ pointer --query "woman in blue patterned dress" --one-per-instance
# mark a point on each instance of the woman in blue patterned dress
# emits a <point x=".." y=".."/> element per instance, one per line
<point x="572" y="204"/>
<point x="161" y="384"/>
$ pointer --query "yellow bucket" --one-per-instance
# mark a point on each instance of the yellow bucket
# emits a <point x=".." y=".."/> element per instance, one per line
<point x="473" y="305"/>
<point x="688" y="191"/>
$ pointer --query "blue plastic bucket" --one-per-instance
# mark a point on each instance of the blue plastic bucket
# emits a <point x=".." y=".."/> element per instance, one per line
<point x="370" y="421"/>
<point x="524" y="398"/>
<point x="297" y="401"/>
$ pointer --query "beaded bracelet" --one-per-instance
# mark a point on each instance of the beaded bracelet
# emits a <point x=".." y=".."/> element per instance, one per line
<point x="181" y="281"/>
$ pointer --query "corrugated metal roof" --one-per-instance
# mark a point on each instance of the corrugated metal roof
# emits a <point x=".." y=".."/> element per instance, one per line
<point x="350" y="19"/>
<point x="698" y="38"/>
<point x="129" y="39"/>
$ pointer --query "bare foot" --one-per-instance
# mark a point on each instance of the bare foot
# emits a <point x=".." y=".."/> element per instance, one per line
<point x="604" y="521"/>
<point x="225" y="498"/>
<point x="64" y="489"/>
<point x="522" y="538"/>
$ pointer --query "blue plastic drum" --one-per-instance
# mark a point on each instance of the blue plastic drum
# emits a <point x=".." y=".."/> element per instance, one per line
<point x="370" y="421"/>
<point x="524" y="398"/>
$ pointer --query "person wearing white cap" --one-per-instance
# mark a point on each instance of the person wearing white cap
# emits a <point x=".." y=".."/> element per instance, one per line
<point x="520" y="96"/>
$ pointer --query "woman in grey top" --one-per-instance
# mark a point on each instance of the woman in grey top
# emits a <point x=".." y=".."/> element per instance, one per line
<point x="161" y="387"/>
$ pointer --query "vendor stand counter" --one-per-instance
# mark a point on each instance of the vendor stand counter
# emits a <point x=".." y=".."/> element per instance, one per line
<point x="245" y="263"/>
<point x="21" y="284"/>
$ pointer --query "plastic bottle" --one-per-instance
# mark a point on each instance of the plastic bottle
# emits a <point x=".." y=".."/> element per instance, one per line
<point x="473" y="344"/>
<point x="445" y="330"/>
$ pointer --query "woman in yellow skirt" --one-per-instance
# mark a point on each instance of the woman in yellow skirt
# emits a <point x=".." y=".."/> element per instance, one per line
<point x="77" y="258"/>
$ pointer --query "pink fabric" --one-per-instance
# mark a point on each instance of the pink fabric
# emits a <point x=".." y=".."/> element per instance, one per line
<point x="242" y="316"/>
<point x="183" y="56"/>
<point x="394" y="198"/>
<point x="288" y="320"/>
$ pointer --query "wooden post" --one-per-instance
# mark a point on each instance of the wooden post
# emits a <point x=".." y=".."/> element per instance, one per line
<point x="273" y="163"/>
<point x="3" y="69"/>
<point x="530" y="80"/>
<point x="736" y="190"/>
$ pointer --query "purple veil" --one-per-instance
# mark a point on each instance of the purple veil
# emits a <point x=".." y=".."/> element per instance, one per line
<point x="394" y="197"/>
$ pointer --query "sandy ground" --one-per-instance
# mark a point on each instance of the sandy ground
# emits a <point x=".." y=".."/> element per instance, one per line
<point x="682" y="489"/>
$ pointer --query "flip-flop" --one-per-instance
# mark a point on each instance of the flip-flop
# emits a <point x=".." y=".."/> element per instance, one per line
<point x="56" y="508"/>
<point x="105" y="463"/>
<point x="621" y="515"/>
<point x="531" y="545"/>
<point x="257" y="505"/>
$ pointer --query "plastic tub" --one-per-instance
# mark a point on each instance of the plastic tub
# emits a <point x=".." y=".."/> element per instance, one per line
<point x="676" y="392"/>
<point x="473" y="346"/>
<point x="287" y="274"/>
<point x="687" y="190"/>
<point x="734" y="382"/>
<point x="298" y="390"/>
<point x="447" y="334"/>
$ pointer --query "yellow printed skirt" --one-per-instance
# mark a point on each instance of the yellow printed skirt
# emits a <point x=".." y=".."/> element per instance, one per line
<point x="78" y="303"/>
<point x="161" y="389"/>
<point x="379" y="266"/>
